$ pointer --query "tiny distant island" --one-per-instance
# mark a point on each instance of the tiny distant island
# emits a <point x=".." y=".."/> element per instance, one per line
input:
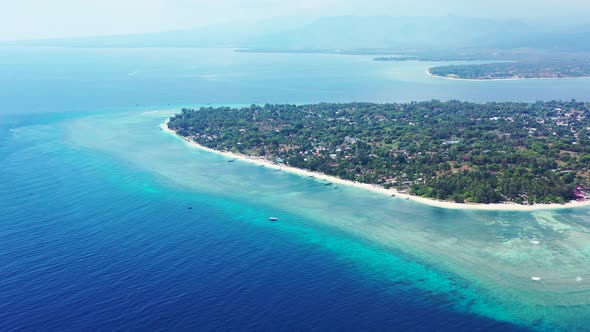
<point x="519" y="153"/>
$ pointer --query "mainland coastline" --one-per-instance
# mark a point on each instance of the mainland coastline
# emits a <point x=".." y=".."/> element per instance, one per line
<point x="508" y="206"/>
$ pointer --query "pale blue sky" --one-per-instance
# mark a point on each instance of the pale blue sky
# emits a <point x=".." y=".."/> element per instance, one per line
<point x="26" y="19"/>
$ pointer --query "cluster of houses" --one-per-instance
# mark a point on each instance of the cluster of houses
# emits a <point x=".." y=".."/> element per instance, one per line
<point x="204" y="136"/>
<point x="563" y="118"/>
<point x="582" y="194"/>
<point x="321" y="147"/>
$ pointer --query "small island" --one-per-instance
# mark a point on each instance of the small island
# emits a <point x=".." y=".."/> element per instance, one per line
<point x="519" y="153"/>
<point x="515" y="70"/>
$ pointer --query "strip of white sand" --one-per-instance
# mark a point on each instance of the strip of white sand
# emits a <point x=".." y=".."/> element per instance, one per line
<point x="376" y="188"/>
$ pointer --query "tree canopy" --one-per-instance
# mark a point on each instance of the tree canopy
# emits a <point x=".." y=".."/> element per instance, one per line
<point x="464" y="152"/>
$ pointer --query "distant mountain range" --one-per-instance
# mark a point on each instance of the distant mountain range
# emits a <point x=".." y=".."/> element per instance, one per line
<point x="351" y="32"/>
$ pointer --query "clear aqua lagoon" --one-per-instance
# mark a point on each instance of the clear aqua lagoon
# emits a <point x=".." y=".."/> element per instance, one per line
<point x="108" y="223"/>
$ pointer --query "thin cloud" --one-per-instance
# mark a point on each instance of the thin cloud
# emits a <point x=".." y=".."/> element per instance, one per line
<point x="43" y="19"/>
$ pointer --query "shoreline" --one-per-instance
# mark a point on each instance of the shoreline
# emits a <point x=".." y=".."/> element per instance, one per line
<point x="378" y="189"/>
<point x="501" y="79"/>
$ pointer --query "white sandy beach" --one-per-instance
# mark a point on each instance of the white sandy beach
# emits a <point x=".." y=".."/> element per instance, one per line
<point x="379" y="189"/>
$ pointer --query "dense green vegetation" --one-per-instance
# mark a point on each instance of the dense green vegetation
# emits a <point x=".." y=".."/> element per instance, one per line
<point x="518" y="69"/>
<point x="465" y="152"/>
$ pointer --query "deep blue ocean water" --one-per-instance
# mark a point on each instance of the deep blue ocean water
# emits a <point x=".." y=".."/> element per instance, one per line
<point x="90" y="244"/>
<point x="106" y="223"/>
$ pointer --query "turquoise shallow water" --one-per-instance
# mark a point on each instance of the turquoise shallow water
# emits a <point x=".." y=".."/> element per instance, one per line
<point x="86" y="79"/>
<point x="483" y="261"/>
<point x="95" y="240"/>
<point x="97" y="233"/>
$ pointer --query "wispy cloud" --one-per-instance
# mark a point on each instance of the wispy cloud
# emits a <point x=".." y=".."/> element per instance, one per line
<point x="40" y="19"/>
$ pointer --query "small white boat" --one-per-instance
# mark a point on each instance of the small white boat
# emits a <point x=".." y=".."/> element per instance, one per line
<point x="536" y="278"/>
<point x="535" y="242"/>
<point x="273" y="219"/>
